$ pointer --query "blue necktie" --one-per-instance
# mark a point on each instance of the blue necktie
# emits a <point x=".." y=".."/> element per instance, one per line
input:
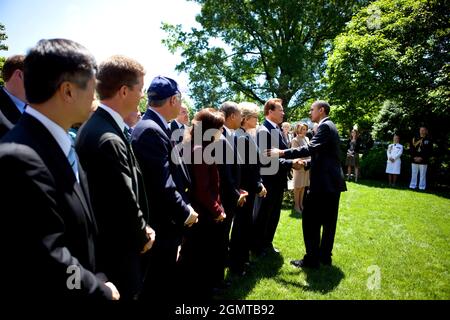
<point x="72" y="157"/>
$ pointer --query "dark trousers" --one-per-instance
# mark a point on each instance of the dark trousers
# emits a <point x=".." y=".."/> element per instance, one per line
<point x="161" y="276"/>
<point x="124" y="269"/>
<point x="321" y="211"/>
<point x="200" y="260"/>
<point x="230" y="211"/>
<point x="265" y="217"/>
<point x="240" y="235"/>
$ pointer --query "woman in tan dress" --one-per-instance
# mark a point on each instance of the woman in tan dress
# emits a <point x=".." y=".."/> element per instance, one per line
<point x="301" y="176"/>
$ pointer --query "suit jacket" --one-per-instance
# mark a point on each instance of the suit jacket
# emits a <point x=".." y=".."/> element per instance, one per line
<point x="251" y="180"/>
<point x="229" y="171"/>
<point x="8" y="107"/>
<point x="5" y="124"/>
<point x="9" y="114"/>
<point x="178" y="136"/>
<point x="421" y="147"/>
<point x="266" y="140"/>
<point x="167" y="183"/>
<point x="118" y="198"/>
<point x="205" y="189"/>
<point x="50" y="225"/>
<point x="326" y="171"/>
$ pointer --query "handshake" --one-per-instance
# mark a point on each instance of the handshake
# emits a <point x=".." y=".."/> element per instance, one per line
<point x="297" y="164"/>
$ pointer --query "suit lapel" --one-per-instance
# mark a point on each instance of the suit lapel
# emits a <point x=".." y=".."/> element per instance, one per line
<point x="57" y="161"/>
<point x="8" y="107"/>
<point x="83" y="196"/>
<point x="150" y="114"/>
<point x="131" y="159"/>
<point x="281" y="143"/>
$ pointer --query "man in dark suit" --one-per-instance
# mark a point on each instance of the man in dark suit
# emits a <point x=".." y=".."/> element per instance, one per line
<point x="167" y="184"/>
<point x="267" y="210"/>
<point x="326" y="184"/>
<point x="5" y="124"/>
<point x="48" y="251"/>
<point x="229" y="173"/>
<point x="12" y="94"/>
<point x="178" y="125"/>
<point x="115" y="183"/>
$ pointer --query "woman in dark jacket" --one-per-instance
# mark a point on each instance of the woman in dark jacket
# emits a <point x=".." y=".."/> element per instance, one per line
<point x="200" y="254"/>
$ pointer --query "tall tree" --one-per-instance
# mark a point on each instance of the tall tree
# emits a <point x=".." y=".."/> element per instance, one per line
<point x="3" y="46"/>
<point x="391" y="66"/>
<point x="258" y="49"/>
<point x="3" y="37"/>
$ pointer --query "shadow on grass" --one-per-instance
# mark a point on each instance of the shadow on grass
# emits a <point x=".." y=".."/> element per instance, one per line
<point x="263" y="267"/>
<point x="296" y="215"/>
<point x="323" y="280"/>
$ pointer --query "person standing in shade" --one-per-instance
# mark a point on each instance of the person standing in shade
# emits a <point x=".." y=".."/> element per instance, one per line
<point x="394" y="162"/>
<point x="179" y="124"/>
<point x="420" y="149"/>
<point x="167" y="184"/>
<point x="230" y="177"/>
<point x="251" y="181"/>
<point x="301" y="176"/>
<point x="286" y="133"/>
<point x="268" y="209"/>
<point x="326" y="184"/>
<point x="12" y="94"/>
<point x="352" y="160"/>
<point x="49" y="251"/>
<point x="131" y="120"/>
<point x="115" y="182"/>
<point x="201" y="256"/>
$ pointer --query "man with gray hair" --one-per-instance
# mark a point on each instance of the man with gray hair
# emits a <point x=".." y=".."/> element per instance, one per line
<point x="167" y="186"/>
<point x="230" y="174"/>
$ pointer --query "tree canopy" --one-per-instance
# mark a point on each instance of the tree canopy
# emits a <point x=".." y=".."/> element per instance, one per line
<point x="3" y="37"/>
<point x="3" y="46"/>
<point x="257" y="49"/>
<point x="391" y="68"/>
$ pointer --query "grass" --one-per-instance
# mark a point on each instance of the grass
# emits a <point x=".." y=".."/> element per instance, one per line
<point x="397" y="236"/>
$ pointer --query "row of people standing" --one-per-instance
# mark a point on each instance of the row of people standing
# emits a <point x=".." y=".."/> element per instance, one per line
<point x="114" y="208"/>
<point x="113" y="203"/>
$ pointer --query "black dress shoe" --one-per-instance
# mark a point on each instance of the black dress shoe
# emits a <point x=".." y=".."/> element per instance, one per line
<point x="304" y="264"/>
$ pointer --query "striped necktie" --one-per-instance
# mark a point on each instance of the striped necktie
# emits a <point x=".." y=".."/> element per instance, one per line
<point x="72" y="157"/>
<point x="126" y="132"/>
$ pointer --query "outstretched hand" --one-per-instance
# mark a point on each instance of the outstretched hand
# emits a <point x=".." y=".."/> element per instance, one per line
<point x="274" y="153"/>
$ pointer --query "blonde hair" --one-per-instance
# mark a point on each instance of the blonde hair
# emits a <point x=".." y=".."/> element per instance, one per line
<point x="248" y="110"/>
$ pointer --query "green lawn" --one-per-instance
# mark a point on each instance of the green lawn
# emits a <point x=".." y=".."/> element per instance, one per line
<point x="396" y="236"/>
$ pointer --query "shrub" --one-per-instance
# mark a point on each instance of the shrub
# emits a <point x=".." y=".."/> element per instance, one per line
<point x="373" y="163"/>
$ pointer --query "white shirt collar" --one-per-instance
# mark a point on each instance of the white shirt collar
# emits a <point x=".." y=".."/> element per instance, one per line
<point x="179" y="124"/>
<point x="115" y="115"/>
<point x="160" y="117"/>
<point x="273" y="123"/>
<point x="228" y="130"/>
<point x="321" y="121"/>
<point x="18" y="103"/>
<point x="60" y="135"/>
